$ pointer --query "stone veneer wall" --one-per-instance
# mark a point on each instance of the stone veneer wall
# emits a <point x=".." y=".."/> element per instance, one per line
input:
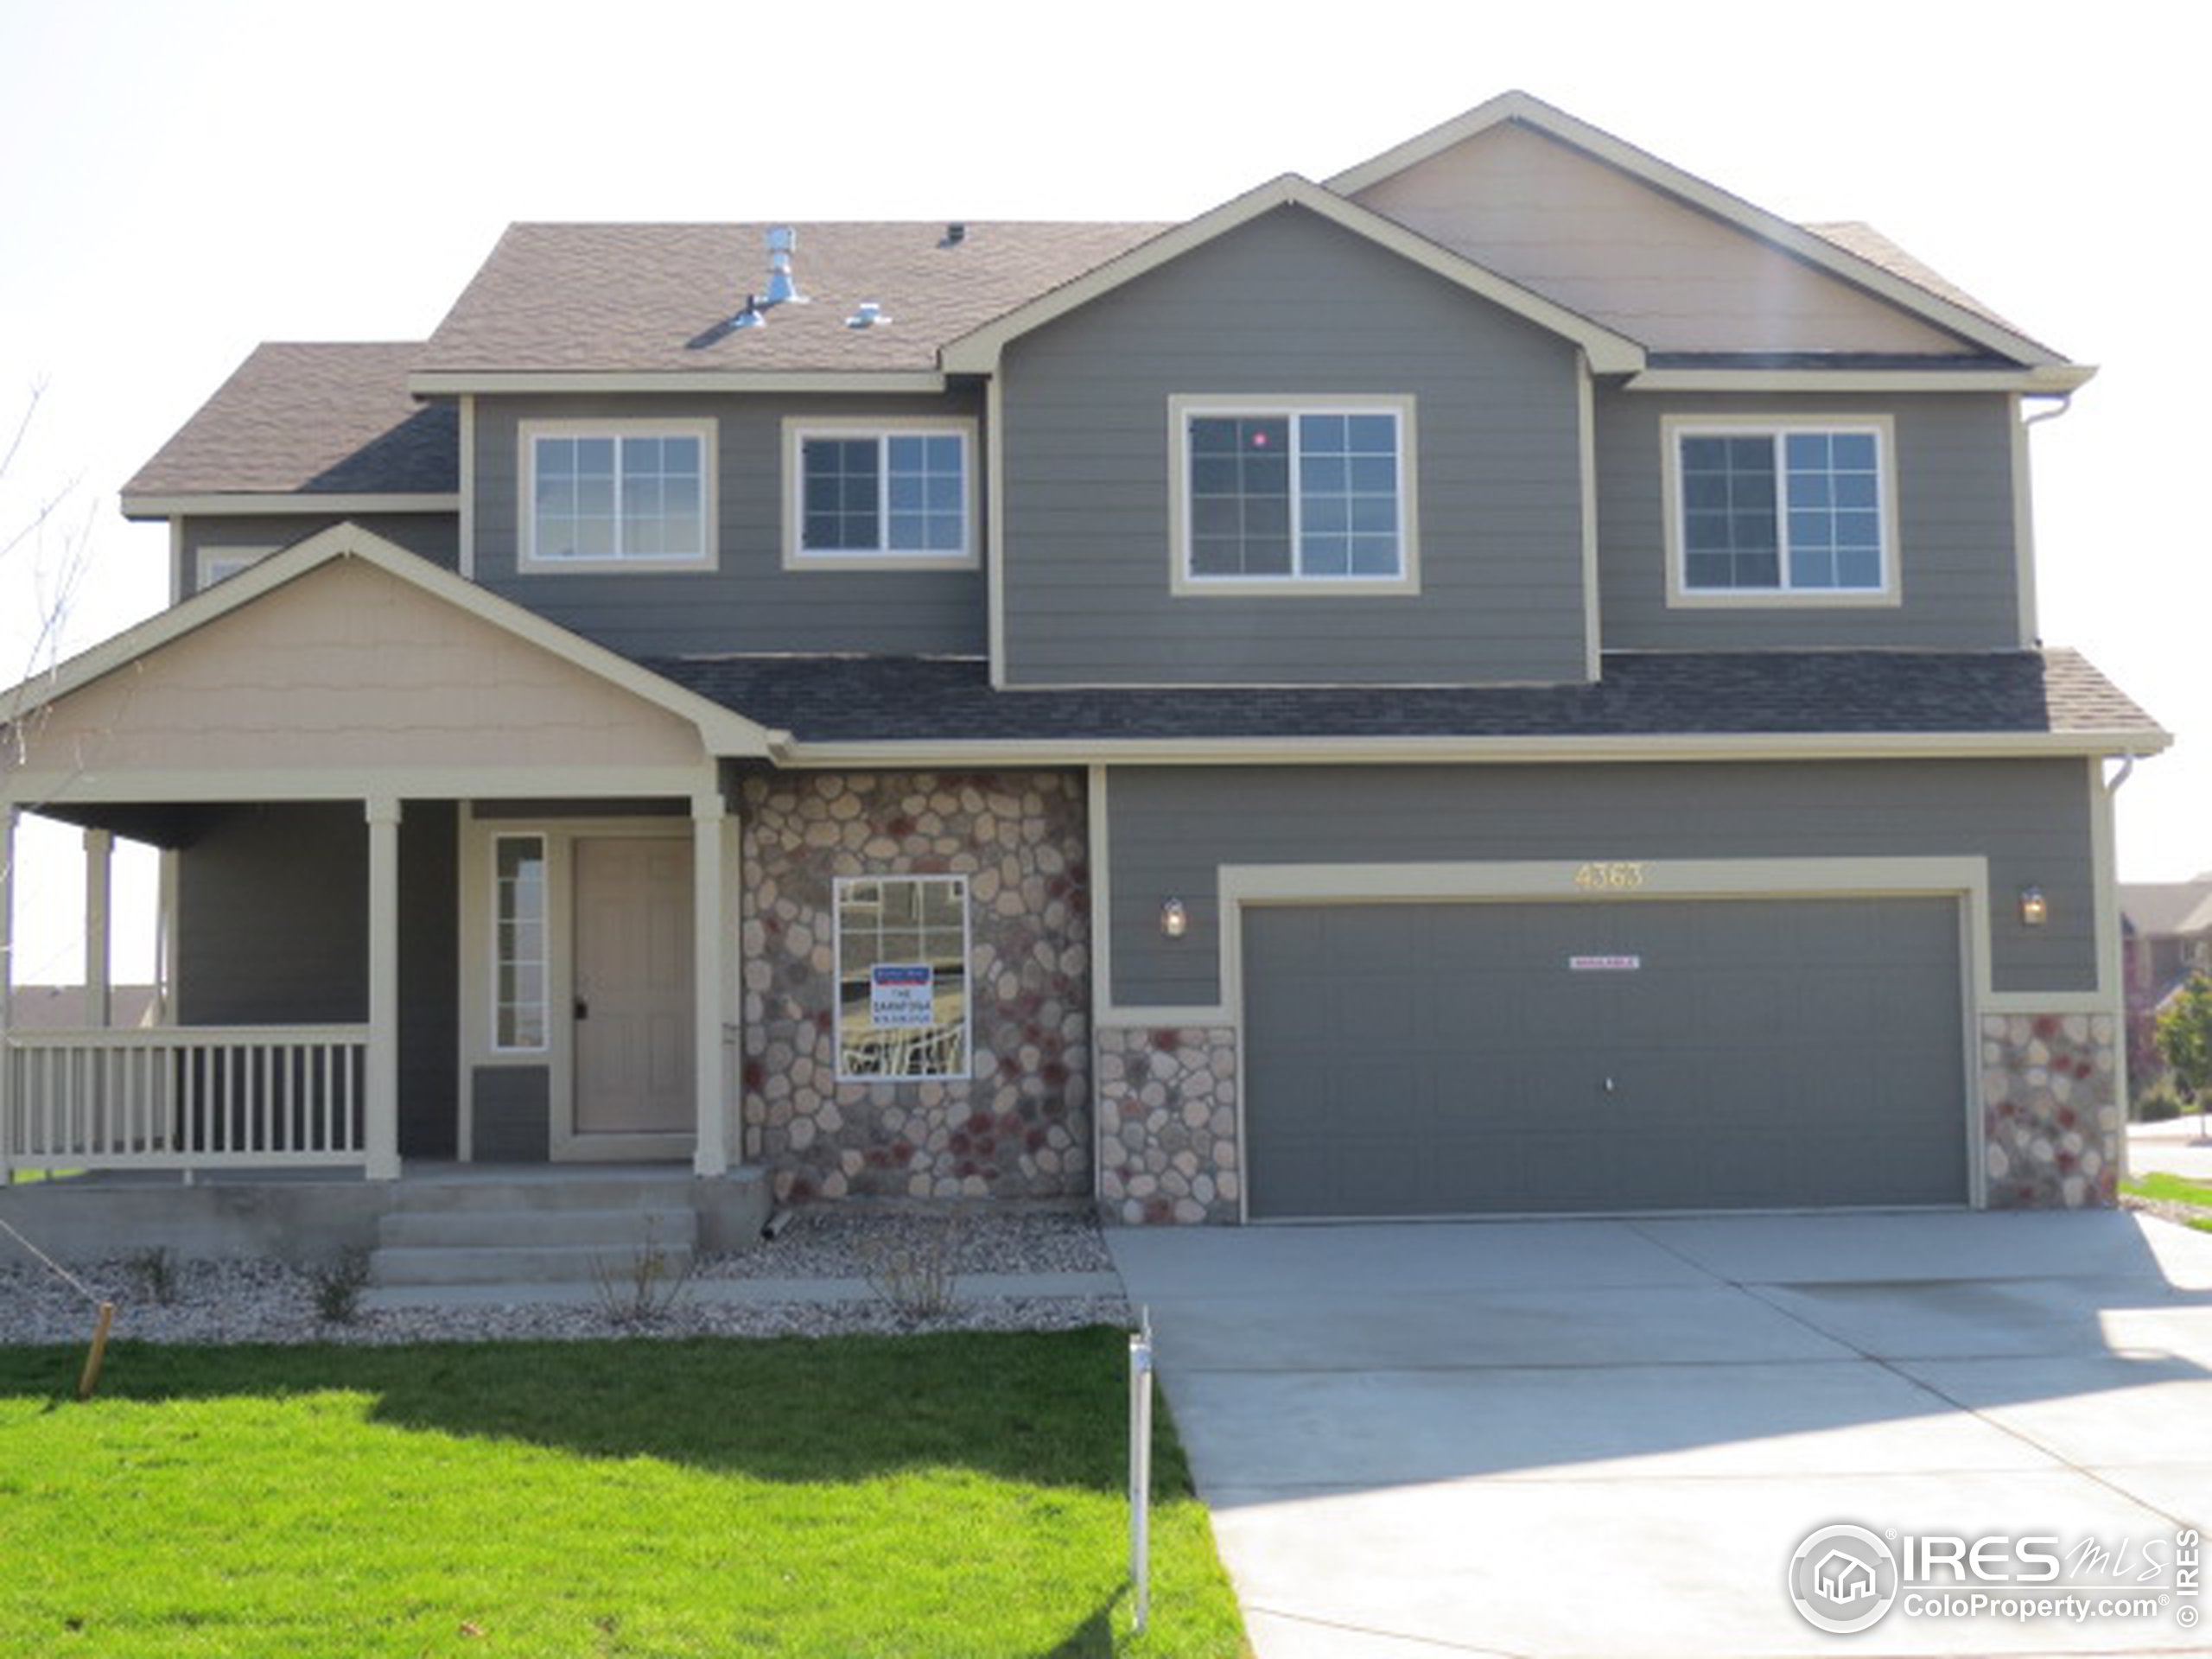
<point x="1019" y="1126"/>
<point x="2050" y="1110"/>
<point x="1167" y="1124"/>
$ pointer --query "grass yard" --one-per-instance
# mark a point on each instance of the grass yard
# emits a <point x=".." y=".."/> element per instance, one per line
<point x="2176" y="1189"/>
<point x="940" y="1495"/>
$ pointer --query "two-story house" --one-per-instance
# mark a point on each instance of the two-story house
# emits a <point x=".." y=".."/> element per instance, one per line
<point x="1507" y="681"/>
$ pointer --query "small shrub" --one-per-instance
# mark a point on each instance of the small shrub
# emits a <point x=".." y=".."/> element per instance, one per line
<point x="154" y="1271"/>
<point x="338" y="1283"/>
<point x="644" y="1287"/>
<point x="917" y="1280"/>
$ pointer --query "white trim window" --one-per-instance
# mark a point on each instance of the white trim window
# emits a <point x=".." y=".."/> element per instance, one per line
<point x="874" y="495"/>
<point x="902" y="977"/>
<point x="1273" y="496"/>
<point x="1798" y="511"/>
<point x="518" y="949"/>
<point x="637" y="495"/>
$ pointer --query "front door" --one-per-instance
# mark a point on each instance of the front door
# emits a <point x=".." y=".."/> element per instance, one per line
<point x="634" y="994"/>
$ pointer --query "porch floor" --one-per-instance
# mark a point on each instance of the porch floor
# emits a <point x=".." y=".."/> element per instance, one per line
<point x="423" y="1171"/>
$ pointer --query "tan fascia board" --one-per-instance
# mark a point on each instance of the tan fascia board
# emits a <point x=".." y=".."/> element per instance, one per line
<point x="1813" y="249"/>
<point x="2139" y="742"/>
<point x="722" y="731"/>
<point x="450" y="383"/>
<point x="2052" y="379"/>
<point x="249" y="502"/>
<point x="977" y="353"/>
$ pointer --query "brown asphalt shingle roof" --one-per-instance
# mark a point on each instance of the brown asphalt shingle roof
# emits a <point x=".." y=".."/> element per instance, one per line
<point x="658" y="298"/>
<point x="311" y="419"/>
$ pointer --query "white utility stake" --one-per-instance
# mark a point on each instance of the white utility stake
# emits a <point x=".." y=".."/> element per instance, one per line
<point x="1141" y="1465"/>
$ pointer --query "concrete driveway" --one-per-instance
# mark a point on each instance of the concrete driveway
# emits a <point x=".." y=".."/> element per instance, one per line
<point x="1609" y="1438"/>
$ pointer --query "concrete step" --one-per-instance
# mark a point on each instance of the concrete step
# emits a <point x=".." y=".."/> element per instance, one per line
<point x="620" y="1190"/>
<point x="512" y="1265"/>
<point x="528" y="1229"/>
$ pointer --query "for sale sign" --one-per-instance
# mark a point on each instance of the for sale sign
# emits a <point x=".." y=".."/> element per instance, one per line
<point x="901" y="995"/>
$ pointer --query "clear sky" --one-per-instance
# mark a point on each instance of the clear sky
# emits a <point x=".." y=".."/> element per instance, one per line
<point x="179" y="182"/>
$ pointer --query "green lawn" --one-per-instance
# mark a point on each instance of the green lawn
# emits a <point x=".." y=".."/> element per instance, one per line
<point x="2175" y="1189"/>
<point x="942" y="1494"/>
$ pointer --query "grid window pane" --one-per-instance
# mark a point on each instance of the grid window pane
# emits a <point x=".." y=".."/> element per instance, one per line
<point x="519" y="942"/>
<point x="1306" y="495"/>
<point x="914" y="1024"/>
<point x="628" y="496"/>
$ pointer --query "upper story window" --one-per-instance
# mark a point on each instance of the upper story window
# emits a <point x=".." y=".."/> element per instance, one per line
<point x="1780" y="512"/>
<point x="632" y="494"/>
<point x="1293" y="497"/>
<point x="872" y="494"/>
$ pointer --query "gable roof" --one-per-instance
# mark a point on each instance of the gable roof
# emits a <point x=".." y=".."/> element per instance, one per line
<point x="1609" y="353"/>
<point x="723" y="730"/>
<point x="556" y="300"/>
<point x="300" y="418"/>
<point x="2168" y="909"/>
<point x="1937" y="303"/>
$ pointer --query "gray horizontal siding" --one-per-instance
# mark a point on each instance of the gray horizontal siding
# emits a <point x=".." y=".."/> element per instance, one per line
<point x="1170" y="829"/>
<point x="1291" y="306"/>
<point x="434" y="536"/>
<point x="750" y="602"/>
<point x="1953" y="475"/>
<point x="272" y="910"/>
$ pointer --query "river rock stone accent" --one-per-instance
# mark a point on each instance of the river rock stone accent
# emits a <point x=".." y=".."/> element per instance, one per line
<point x="1168" y="1124"/>
<point x="1018" y="1125"/>
<point x="2050" y="1110"/>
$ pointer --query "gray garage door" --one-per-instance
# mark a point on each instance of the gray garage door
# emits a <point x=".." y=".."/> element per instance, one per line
<point x="1452" y="1059"/>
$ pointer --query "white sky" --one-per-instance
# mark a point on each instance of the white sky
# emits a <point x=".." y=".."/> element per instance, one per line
<point x="180" y="182"/>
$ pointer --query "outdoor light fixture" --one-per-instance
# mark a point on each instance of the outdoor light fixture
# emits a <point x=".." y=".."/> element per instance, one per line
<point x="1174" y="920"/>
<point x="2035" y="909"/>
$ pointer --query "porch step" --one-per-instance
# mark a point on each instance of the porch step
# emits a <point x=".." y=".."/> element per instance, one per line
<point x="574" y="1229"/>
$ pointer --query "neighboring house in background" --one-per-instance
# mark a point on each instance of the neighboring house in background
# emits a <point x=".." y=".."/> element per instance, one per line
<point x="1507" y="681"/>
<point x="2166" y="935"/>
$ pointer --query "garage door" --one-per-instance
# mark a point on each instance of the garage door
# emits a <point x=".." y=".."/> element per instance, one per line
<point x="1452" y="1059"/>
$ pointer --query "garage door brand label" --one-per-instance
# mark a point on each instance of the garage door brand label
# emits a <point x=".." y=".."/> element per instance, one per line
<point x="1604" y="964"/>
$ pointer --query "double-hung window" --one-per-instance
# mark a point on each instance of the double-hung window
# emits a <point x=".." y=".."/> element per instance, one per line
<point x="1799" y="511"/>
<point x="869" y="495"/>
<point x="1290" y="497"/>
<point x="633" y="494"/>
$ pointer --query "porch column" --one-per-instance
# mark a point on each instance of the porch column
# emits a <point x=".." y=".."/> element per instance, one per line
<point x="7" y="991"/>
<point x="165" y="941"/>
<point x="380" y="1081"/>
<point x="100" y="978"/>
<point x="709" y="946"/>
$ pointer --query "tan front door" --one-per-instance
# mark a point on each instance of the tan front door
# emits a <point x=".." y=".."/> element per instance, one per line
<point x="633" y="1000"/>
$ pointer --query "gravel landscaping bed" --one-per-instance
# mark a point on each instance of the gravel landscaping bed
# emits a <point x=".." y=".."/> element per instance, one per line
<point x="274" y="1301"/>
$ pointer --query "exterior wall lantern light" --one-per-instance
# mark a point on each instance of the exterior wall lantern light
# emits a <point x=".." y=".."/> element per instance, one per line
<point x="1174" y="920"/>
<point x="2035" y="909"/>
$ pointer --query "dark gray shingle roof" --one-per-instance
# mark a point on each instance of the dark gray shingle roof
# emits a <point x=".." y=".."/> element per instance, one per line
<point x="883" y="699"/>
<point x="312" y="418"/>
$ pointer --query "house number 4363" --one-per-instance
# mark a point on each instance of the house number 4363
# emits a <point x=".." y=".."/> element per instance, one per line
<point x="1609" y="877"/>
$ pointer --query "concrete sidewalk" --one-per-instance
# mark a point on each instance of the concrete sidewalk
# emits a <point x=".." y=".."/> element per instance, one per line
<point x="1592" y="1437"/>
<point x="2178" y="1146"/>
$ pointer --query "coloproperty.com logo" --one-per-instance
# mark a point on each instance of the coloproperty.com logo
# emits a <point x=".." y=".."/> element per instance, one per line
<point x="1845" y="1578"/>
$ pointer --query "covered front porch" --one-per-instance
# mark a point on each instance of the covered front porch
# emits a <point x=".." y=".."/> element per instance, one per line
<point x="414" y="841"/>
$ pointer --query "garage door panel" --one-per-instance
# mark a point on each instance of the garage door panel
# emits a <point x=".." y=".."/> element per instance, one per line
<point x="1447" y="1059"/>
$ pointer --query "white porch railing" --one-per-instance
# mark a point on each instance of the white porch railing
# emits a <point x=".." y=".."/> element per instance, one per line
<point x="184" y="1097"/>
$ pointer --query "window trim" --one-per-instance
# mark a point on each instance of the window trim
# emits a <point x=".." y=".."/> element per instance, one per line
<point x="797" y="429"/>
<point x="528" y="432"/>
<point x="838" y="885"/>
<point x="1672" y="429"/>
<point x="1182" y="408"/>
<point x="493" y="1034"/>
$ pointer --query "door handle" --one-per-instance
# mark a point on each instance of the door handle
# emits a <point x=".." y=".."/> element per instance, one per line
<point x="583" y="1009"/>
<point x="1609" y="1085"/>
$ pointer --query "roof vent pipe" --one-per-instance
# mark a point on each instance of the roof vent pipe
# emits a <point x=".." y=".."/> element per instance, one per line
<point x="783" y="288"/>
<point x="954" y="234"/>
